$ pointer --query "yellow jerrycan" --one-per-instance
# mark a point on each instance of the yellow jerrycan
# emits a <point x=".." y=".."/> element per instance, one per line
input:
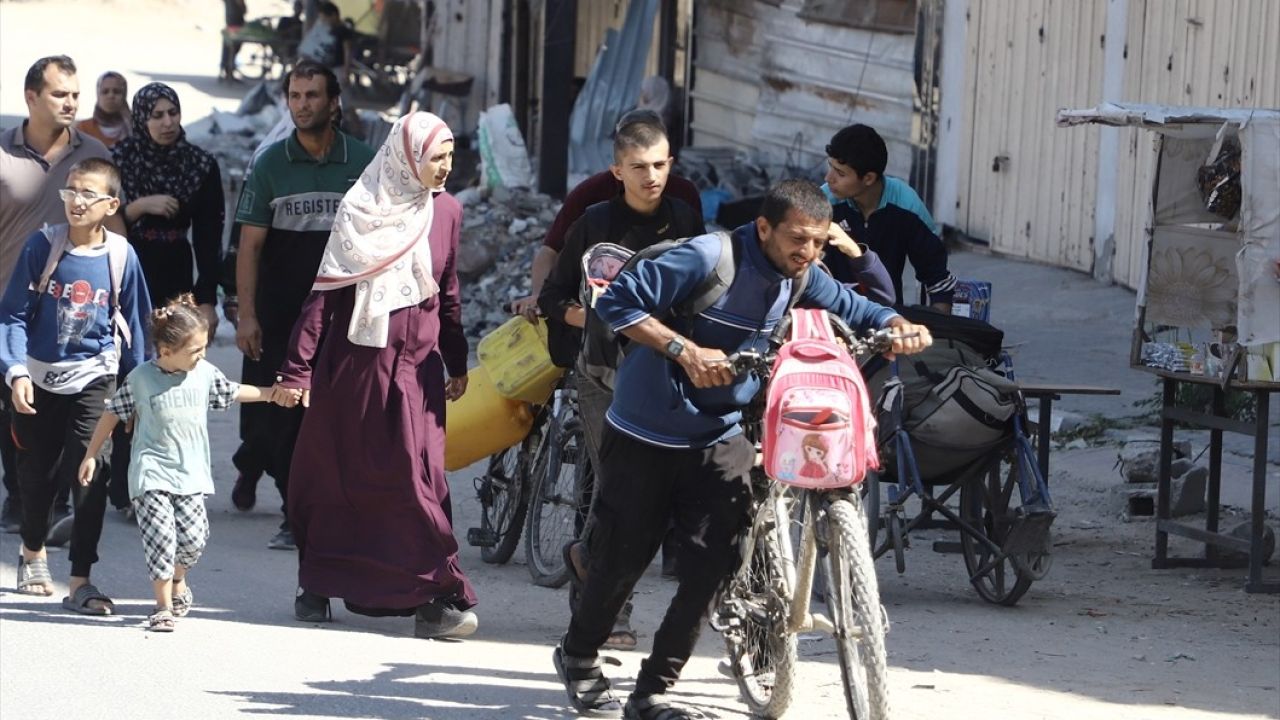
<point x="482" y="422"/>
<point x="515" y="356"/>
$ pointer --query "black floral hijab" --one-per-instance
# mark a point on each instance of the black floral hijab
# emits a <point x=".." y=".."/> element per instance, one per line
<point x="149" y="168"/>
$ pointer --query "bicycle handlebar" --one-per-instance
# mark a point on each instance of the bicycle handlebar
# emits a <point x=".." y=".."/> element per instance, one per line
<point x="876" y="343"/>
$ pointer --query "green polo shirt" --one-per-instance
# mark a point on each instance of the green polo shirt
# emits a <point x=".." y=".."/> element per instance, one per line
<point x="296" y="197"/>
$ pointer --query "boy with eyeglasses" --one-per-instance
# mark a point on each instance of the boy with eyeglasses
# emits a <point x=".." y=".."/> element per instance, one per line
<point x="35" y="156"/>
<point x="71" y="315"/>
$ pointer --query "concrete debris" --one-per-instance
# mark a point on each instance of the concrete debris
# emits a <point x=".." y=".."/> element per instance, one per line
<point x="1188" y="484"/>
<point x="501" y="231"/>
<point x="1140" y="458"/>
<point x="1238" y="559"/>
<point x="1187" y="491"/>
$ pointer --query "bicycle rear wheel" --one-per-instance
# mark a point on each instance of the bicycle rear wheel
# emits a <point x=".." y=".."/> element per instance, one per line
<point x="853" y="599"/>
<point x="554" y="505"/>
<point x="502" y="502"/>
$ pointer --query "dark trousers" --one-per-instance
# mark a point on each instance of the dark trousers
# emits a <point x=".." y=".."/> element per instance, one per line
<point x="8" y="451"/>
<point x="121" y="448"/>
<point x="9" y="459"/>
<point x="268" y="432"/>
<point x="51" y="445"/>
<point x="645" y="488"/>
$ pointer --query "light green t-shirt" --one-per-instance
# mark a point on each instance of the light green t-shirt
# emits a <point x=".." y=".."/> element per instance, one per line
<point x="171" y="435"/>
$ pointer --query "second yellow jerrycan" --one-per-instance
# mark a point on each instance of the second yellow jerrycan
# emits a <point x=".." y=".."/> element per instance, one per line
<point x="515" y="356"/>
<point x="482" y="422"/>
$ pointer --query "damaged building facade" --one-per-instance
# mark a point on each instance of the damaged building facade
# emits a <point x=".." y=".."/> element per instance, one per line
<point x="964" y="91"/>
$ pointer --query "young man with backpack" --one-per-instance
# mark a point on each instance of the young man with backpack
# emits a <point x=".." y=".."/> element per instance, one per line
<point x="637" y="219"/>
<point x="598" y="188"/>
<point x="672" y="448"/>
<point x="885" y="214"/>
<point x="71" y="316"/>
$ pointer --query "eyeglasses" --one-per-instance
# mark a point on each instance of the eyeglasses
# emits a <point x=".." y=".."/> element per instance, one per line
<point x="86" y="196"/>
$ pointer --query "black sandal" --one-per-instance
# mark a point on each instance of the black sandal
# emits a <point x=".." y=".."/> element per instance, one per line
<point x="656" y="707"/>
<point x="584" y="681"/>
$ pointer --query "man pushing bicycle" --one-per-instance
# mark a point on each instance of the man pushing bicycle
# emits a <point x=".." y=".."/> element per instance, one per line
<point x="672" y="449"/>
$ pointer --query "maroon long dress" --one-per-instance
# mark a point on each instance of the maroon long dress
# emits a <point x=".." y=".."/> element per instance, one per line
<point x="368" y="500"/>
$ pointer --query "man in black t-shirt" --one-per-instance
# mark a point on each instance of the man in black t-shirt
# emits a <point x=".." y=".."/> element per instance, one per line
<point x="641" y="216"/>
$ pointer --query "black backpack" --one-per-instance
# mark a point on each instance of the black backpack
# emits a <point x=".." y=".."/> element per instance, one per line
<point x="603" y="350"/>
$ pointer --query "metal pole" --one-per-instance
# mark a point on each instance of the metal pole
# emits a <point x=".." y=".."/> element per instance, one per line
<point x="557" y="94"/>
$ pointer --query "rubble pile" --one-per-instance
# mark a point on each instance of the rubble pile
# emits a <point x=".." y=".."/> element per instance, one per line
<point x="501" y="231"/>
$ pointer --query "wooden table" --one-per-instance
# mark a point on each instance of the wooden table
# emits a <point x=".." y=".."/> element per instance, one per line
<point x="1217" y="422"/>
<point x="1046" y="393"/>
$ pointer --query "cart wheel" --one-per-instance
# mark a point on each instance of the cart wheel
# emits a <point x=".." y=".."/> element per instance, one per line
<point x="896" y="537"/>
<point x="871" y="505"/>
<point x="984" y="506"/>
<point x="1035" y="564"/>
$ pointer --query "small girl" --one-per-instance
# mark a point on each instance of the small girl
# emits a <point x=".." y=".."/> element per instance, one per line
<point x="168" y="400"/>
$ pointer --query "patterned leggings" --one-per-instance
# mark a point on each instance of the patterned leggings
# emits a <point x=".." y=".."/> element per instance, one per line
<point x="174" y="529"/>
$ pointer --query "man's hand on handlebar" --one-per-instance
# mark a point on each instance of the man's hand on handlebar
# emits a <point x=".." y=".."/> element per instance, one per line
<point x="706" y="367"/>
<point x="908" y="338"/>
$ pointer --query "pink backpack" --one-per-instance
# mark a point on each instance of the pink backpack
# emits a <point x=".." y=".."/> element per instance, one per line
<point x="818" y="427"/>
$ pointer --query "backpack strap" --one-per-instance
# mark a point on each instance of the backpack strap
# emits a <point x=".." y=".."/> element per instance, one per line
<point x="714" y="285"/>
<point x="811" y="324"/>
<point x="798" y="286"/>
<point x="59" y="243"/>
<point x="118" y="259"/>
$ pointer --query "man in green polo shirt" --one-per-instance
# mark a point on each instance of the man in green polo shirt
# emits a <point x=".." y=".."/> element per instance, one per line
<point x="286" y="211"/>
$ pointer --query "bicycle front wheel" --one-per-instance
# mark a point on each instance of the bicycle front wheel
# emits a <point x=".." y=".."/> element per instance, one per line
<point x="762" y="654"/>
<point x="554" y="506"/>
<point x="853" y="599"/>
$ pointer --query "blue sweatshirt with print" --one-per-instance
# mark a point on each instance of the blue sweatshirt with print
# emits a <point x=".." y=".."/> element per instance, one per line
<point x="63" y="338"/>
<point x="654" y="401"/>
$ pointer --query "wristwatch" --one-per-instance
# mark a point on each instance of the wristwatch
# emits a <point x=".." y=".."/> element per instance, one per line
<point x="675" y="346"/>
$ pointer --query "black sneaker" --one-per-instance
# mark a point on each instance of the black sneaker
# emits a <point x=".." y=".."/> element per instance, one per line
<point x="311" y="607"/>
<point x="244" y="494"/>
<point x="283" y="540"/>
<point x="11" y="515"/>
<point x="440" y="619"/>
<point x="60" y="527"/>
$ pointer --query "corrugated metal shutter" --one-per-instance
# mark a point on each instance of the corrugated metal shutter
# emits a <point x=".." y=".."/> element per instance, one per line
<point x="1025" y="186"/>
<point x="1027" y="58"/>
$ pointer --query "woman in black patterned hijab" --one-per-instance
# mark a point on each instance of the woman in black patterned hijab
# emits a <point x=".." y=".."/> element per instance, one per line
<point x="175" y="205"/>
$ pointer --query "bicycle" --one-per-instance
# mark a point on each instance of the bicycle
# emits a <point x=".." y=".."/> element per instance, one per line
<point x="537" y="486"/>
<point x="766" y="603"/>
<point x="558" y="496"/>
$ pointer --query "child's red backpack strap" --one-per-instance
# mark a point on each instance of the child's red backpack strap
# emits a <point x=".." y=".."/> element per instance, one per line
<point x="811" y="324"/>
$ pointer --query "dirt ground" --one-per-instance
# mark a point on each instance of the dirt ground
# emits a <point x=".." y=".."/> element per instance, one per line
<point x="1102" y="636"/>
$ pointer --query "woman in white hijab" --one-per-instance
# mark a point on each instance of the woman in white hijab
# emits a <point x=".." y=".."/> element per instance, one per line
<point x="378" y="349"/>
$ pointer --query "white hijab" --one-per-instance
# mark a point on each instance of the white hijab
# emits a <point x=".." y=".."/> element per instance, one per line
<point x="379" y="241"/>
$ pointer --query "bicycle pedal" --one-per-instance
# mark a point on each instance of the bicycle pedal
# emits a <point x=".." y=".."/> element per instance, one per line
<point x="481" y="537"/>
